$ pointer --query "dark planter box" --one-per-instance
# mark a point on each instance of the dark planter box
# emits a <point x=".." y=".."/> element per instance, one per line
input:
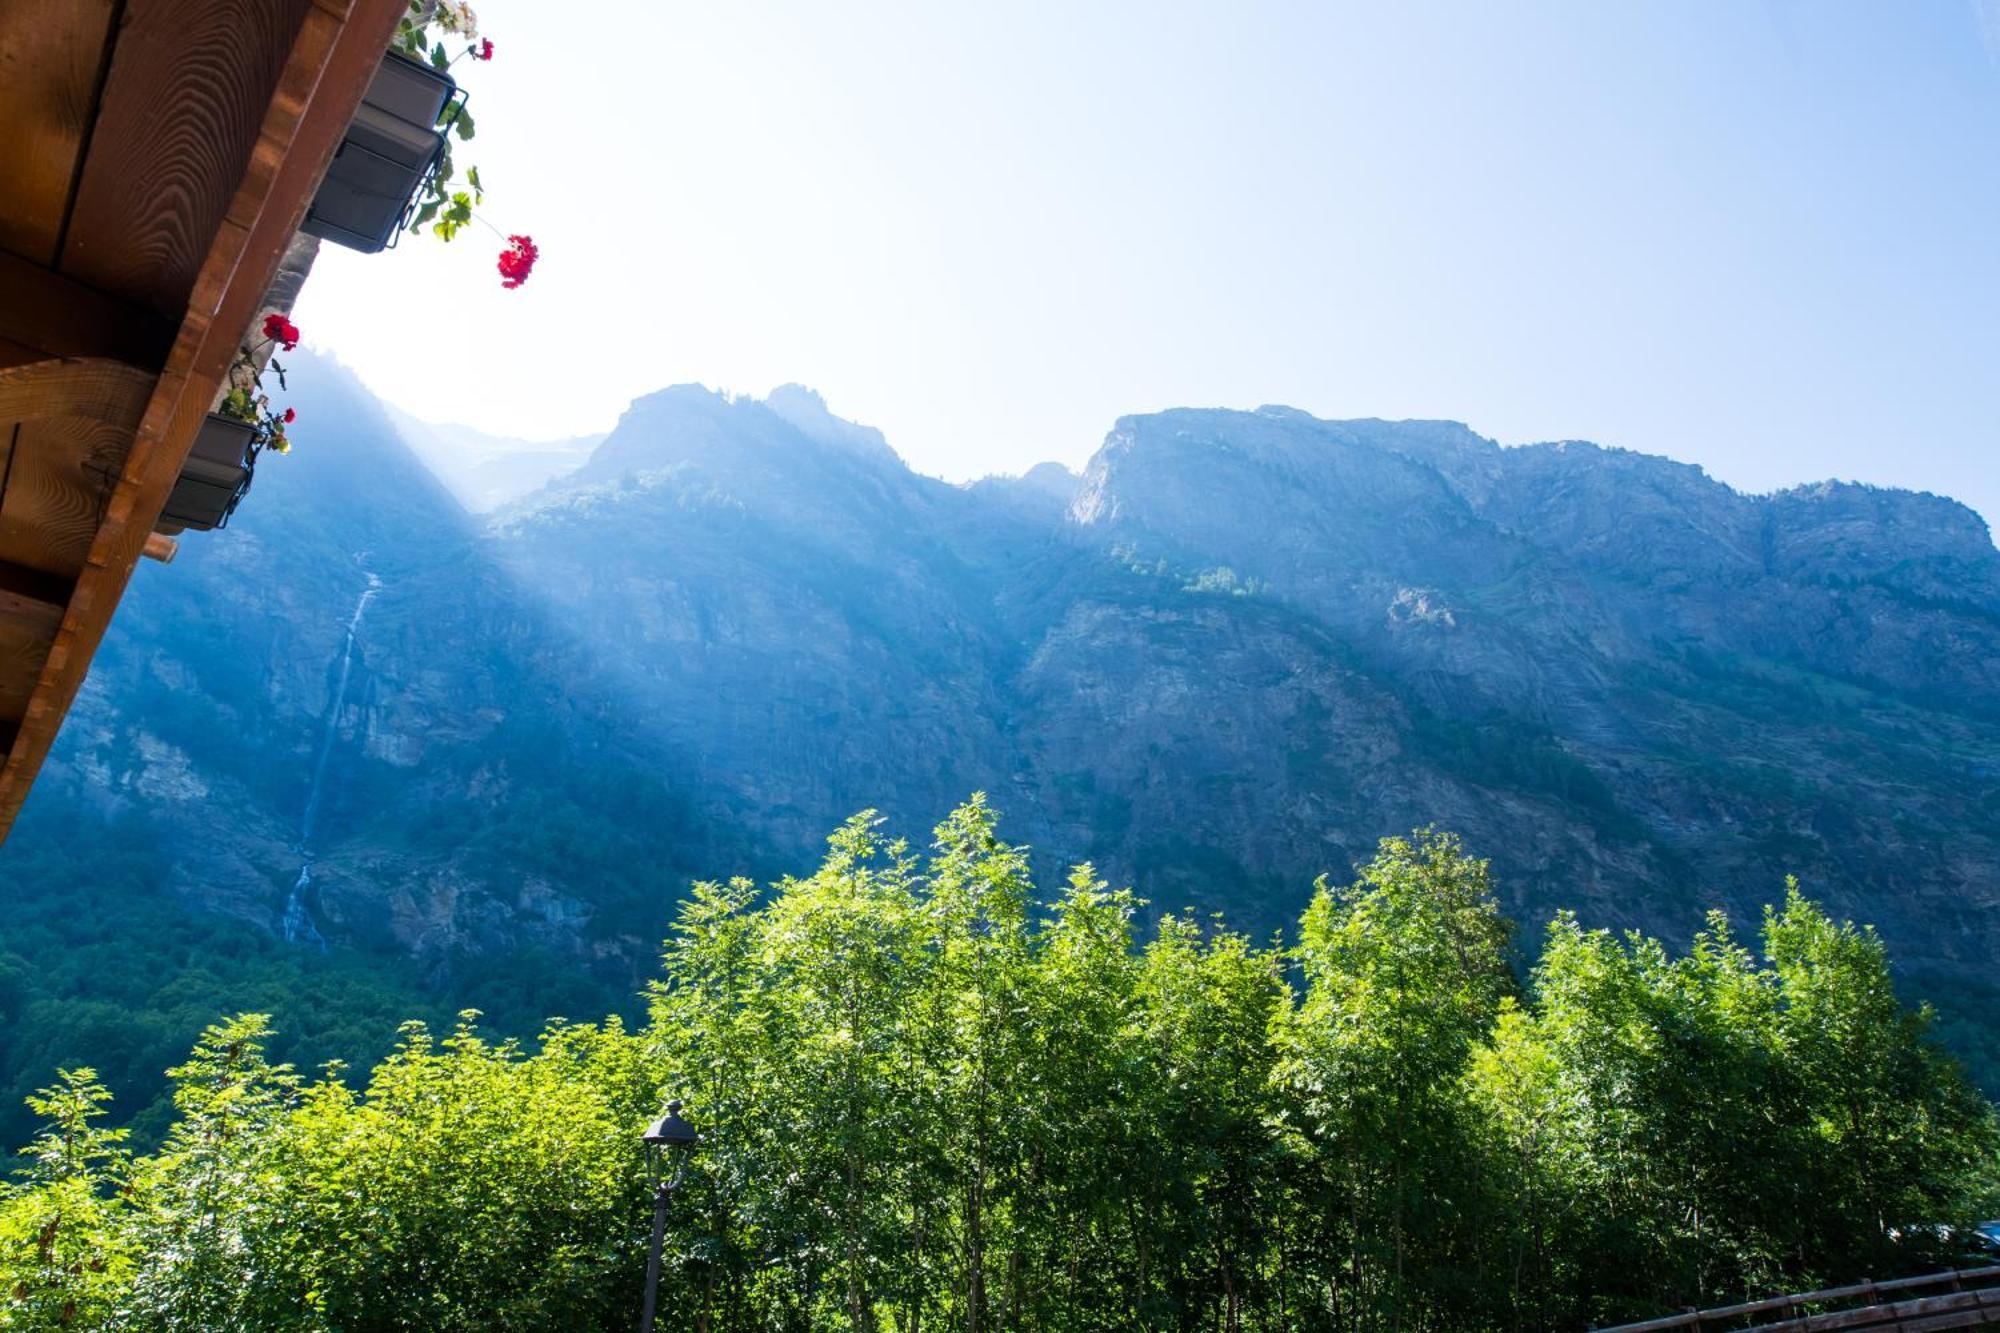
<point x="215" y="476"/>
<point x="409" y="89"/>
<point x="392" y="144"/>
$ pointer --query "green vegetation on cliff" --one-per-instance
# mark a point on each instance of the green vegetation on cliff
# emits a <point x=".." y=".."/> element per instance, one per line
<point x="124" y="979"/>
<point x="929" y="1100"/>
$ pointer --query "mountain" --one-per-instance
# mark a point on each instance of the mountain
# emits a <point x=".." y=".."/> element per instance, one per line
<point x="1250" y="643"/>
<point x="1228" y="657"/>
<point x="484" y="471"/>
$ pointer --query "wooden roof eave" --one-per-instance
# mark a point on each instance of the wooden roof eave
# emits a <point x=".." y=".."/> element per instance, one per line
<point x="332" y="59"/>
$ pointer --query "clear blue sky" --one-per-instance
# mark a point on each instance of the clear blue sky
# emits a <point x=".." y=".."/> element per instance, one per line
<point x="1759" y="236"/>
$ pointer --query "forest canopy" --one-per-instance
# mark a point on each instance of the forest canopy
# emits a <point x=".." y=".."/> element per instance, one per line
<point x="930" y="1095"/>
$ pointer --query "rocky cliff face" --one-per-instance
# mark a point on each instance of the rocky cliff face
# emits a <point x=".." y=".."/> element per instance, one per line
<point x="1631" y="674"/>
<point x="1228" y="657"/>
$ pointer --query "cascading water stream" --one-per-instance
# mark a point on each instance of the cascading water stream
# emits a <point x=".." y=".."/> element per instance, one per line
<point x="298" y="921"/>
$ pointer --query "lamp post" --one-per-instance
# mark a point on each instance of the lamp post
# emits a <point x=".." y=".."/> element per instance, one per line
<point x="668" y="1133"/>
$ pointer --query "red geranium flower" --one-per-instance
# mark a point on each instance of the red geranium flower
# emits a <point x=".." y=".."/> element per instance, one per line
<point x="484" y="51"/>
<point x="517" y="261"/>
<point x="281" y="331"/>
<point x="290" y="416"/>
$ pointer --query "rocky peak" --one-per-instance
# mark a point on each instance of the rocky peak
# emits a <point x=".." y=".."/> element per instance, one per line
<point x="1277" y="491"/>
<point x="680" y="423"/>
<point x="1043" y="492"/>
<point x="807" y="412"/>
<point x="1924" y="544"/>
<point x="745" y="445"/>
<point x="1052" y="479"/>
<point x="1635" y="514"/>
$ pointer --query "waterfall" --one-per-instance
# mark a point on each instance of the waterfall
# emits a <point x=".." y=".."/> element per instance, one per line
<point x="298" y="924"/>
<point x="299" y="927"/>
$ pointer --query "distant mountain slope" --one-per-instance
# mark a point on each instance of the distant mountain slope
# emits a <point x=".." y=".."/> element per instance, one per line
<point x="1232" y="654"/>
<point x="482" y="471"/>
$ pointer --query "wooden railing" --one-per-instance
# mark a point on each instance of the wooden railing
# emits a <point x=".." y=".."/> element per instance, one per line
<point x="1969" y="1297"/>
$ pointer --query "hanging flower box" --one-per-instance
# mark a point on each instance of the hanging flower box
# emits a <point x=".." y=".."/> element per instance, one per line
<point x="216" y="475"/>
<point x="392" y="146"/>
<point x="409" y="89"/>
<point x="223" y="457"/>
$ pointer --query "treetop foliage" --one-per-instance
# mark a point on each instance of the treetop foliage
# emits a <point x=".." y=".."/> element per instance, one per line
<point x="927" y="1097"/>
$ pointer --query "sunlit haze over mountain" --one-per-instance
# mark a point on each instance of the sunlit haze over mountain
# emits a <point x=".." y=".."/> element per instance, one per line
<point x="1756" y="237"/>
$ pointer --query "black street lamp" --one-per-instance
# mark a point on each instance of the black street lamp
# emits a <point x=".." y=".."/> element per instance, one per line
<point x="668" y="1133"/>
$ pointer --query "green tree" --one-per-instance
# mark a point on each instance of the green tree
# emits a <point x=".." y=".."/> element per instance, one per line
<point x="929" y="1102"/>
<point x="1404" y="973"/>
<point x="470" y="1186"/>
<point x="1635" y="1103"/>
<point x="969" y="1049"/>
<point x="1086" y="1113"/>
<point x="1206" y="1003"/>
<point x="1686" y="1131"/>
<point x="64" y="1259"/>
<point x="200" y="1201"/>
<point x="838" y="953"/>
<point x="1894" y="1135"/>
<point x="708" y="1042"/>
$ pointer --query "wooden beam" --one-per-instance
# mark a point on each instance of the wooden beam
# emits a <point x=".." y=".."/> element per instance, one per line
<point x="30" y="615"/>
<point x="161" y="547"/>
<point x="59" y="478"/>
<point x="59" y="316"/>
<point x="18" y="354"/>
<point x="70" y="424"/>
<point x="31" y="600"/>
<point x="90" y="388"/>
<point x="23" y="649"/>
<point x="189" y="87"/>
<point x="333" y="58"/>
<point x="52" y="59"/>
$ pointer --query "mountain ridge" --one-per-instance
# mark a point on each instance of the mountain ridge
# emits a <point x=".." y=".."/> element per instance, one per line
<point x="1225" y="658"/>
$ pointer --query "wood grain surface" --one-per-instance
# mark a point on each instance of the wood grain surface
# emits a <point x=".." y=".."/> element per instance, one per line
<point x="69" y="424"/>
<point x="32" y="600"/>
<point x="62" y="474"/>
<point x="189" y="86"/>
<point x="54" y="316"/>
<point x="22" y="652"/>
<point x="52" y="57"/>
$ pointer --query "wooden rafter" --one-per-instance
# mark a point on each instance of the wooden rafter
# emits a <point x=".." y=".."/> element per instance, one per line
<point x="52" y="68"/>
<point x="47" y="314"/>
<point x="28" y="604"/>
<point x="333" y="56"/>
